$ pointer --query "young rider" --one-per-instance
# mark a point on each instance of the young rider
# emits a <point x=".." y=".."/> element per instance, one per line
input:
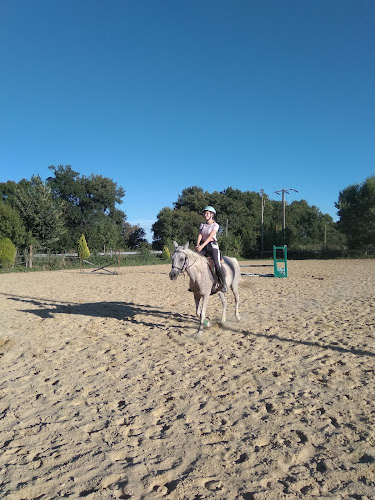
<point x="207" y="242"/>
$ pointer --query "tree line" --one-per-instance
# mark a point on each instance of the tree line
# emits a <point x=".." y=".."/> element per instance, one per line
<point x="243" y="230"/>
<point x="246" y="227"/>
<point x="52" y="215"/>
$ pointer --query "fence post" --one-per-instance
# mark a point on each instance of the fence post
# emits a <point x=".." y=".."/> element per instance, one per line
<point x="30" y="257"/>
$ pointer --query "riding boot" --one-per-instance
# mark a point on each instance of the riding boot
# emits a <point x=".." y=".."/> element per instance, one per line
<point x="221" y="276"/>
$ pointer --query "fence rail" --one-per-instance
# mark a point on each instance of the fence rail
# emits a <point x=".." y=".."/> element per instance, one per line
<point x="58" y="260"/>
<point x="103" y="254"/>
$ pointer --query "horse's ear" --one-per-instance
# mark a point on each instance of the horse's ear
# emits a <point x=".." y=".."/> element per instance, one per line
<point x="175" y="244"/>
<point x="186" y="245"/>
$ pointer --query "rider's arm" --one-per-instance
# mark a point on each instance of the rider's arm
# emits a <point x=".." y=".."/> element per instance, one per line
<point x="198" y="241"/>
<point x="210" y="238"/>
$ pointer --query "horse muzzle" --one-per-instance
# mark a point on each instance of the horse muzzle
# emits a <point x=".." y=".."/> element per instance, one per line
<point x="173" y="275"/>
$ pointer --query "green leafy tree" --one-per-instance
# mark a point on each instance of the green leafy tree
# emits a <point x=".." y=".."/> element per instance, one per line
<point x="7" y="253"/>
<point x="239" y="217"/>
<point x="180" y="225"/>
<point x="163" y="229"/>
<point x="356" y="209"/>
<point x="136" y="237"/>
<point x="90" y="206"/>
<point x="41" y="216"/>
<point x="11" y="225"/>
<point x="102" y="194"/>
<point x="66" y="185"/>
<point x="305" y="225"/>
<point x="8" y="191"/>
<point x="102" y="232"/>
<point x="193" y="199"/>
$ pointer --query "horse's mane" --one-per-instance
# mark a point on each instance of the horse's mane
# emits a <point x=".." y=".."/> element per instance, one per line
<point x="199" y="260"/>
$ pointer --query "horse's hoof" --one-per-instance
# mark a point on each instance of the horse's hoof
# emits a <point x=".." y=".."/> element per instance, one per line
<point x="197" y="336"/>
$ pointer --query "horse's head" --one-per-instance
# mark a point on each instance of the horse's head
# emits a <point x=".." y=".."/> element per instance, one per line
<point x="178" y="260"/>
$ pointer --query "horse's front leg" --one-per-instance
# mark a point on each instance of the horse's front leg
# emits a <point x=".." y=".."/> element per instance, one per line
<point x="224" y="310"/>
<point x="198" y="305"/>
<point x="203" y="320"/>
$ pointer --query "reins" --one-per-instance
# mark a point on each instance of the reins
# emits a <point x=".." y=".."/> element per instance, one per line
<point x="191" y="265"/>
<point x="185" y="266"/>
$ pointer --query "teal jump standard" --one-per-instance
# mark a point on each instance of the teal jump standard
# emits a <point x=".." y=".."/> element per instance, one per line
<point x="280" y="265"/>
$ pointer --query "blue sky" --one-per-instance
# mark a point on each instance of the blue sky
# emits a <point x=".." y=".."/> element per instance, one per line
<point x="160" y="95"/>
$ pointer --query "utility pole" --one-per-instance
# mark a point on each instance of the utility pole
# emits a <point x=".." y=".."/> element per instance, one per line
<point x="283" y="191"/>
<point x="262" y="219"/>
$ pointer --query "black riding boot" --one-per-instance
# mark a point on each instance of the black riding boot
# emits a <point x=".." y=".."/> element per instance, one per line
<point x="221" y="276"/>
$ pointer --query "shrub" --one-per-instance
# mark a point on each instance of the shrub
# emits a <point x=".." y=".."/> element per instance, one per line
<point x="83" y="249"/>
<point x="7" y="253"/>
<point x="166" y="255"/>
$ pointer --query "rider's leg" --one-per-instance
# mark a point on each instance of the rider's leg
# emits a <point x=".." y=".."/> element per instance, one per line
<point x="215" y="254"/>
<point x="220" y="273"/>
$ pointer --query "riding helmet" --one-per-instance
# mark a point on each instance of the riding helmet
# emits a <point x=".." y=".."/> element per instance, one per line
<point x="209" y="209"/>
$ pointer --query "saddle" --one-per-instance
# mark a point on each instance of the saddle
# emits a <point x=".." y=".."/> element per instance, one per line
<point x="217" y="286"/>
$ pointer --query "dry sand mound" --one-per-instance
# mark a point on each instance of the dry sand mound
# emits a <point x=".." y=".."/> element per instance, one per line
<point x="104" y="394"/>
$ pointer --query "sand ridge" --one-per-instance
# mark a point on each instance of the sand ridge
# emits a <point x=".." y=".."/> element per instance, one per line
<point x="105" y="394"/>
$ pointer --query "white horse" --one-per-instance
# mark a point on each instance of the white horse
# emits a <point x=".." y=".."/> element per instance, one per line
<point x="202" y="280"/>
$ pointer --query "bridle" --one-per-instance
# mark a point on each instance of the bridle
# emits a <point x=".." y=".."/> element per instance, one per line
<point x="185" y="266"/>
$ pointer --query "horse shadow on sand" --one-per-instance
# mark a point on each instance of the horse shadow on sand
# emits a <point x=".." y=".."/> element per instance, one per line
<point x="129" y="312"/>
<point x="122" y="311"/>
<point x="310" y="343"/>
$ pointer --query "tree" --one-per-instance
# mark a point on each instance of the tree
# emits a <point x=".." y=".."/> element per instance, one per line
<point x="163" y="229"/>
<point x="66" y="185"/>
<point x="41" y="215"/>
<point x="83" y="249"/>
<point x="11" y="225"/>
<point x="7" y="253"/>
<point x="8" y="191"/>
<point x="239" y="217"/>
<point x="89" y="206"/>
<point x="306" y="225"/>
<point x="193" y="199"/>
<point x="102" y="232"/>
<point x="135" y="236"/>
<point x="356" y="209"/>
<point x="180" y="225"/>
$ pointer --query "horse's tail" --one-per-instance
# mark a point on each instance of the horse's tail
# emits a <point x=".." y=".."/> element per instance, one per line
<point x="233" y="265"/>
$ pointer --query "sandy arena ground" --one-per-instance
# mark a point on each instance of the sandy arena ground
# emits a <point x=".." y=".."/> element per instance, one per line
<point x="105" y="394"/>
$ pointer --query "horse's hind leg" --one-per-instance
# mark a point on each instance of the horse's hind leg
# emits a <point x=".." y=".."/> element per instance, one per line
<point x="237" y="299"/>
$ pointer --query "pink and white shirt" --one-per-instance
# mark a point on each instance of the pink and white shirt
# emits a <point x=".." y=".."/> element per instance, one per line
<point x="206" y="229"/>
